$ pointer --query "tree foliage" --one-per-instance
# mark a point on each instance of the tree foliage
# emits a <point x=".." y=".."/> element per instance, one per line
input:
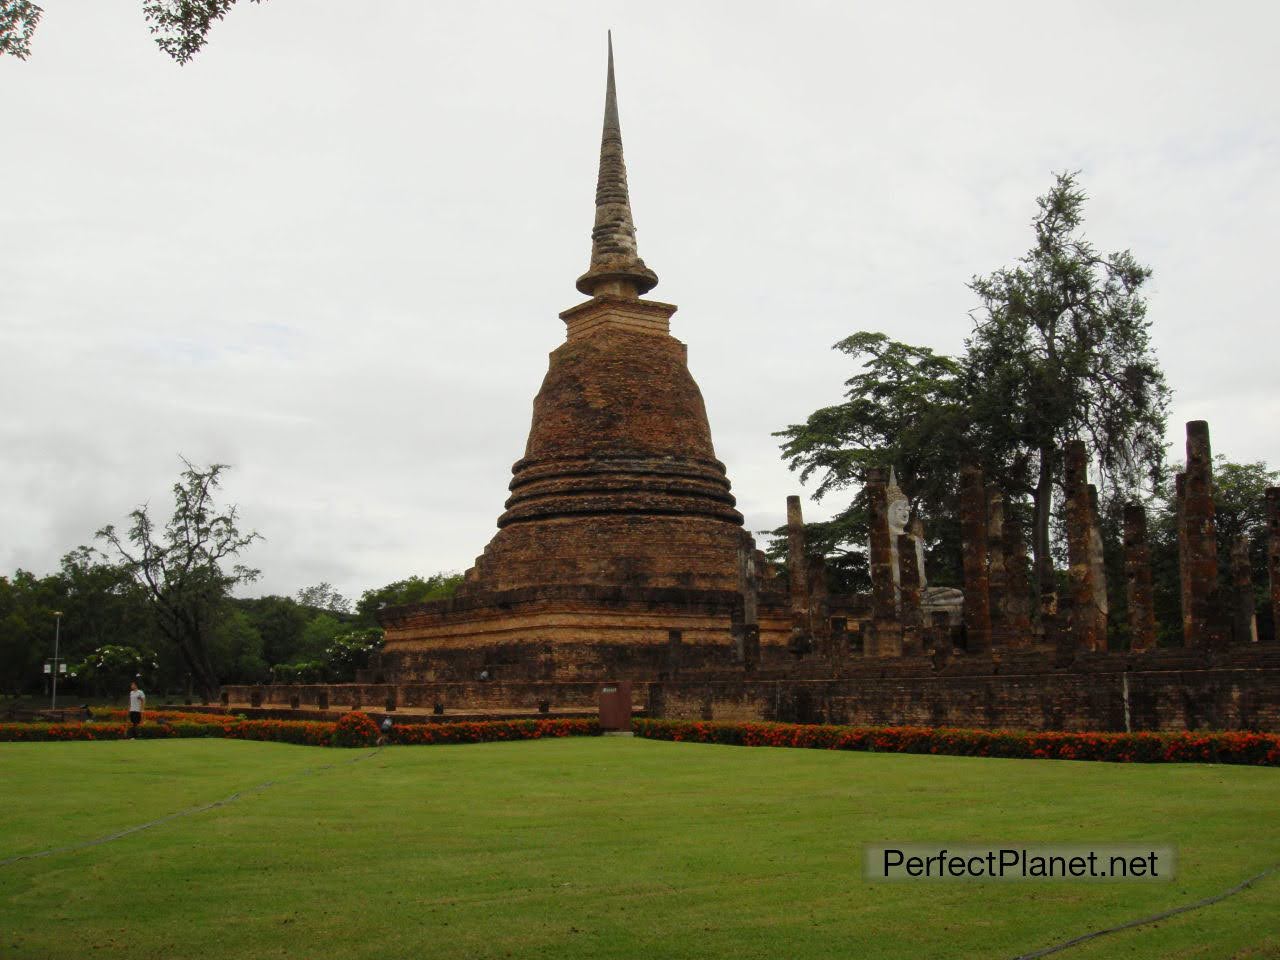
<point x="18" y="21"/>
<point x="101" y="605"/>
<point x="106" y="609"/>
<point x="180" y="27"/>
<point x="111" y="667"/>
<point x="324" y="597"/>
<point x="181" y="566"/>
<point x="1059" y="349"/>
<point x="904" y="408"/>
<point x="351" y="651"/>
<point x="1239" y="495"/>
<point x="415" y="589"/>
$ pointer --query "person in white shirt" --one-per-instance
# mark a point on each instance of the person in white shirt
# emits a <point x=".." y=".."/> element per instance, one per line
<point x="137" y="699"/>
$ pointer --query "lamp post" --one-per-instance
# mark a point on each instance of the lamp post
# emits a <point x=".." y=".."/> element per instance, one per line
<point x="57" y="636"/>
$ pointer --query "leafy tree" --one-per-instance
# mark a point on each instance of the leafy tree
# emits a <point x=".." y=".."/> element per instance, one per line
<point x="1239" y="506"/>
<point x="181" y="27"/>
<point x="102" y="604"/>
<point x="904" y="408"/>
<point x="1239" y="494"/>
<point x="1060" y="349"/>
<point x="324" y="597"/>
<point x="26" y="624"/>
<point x="350" y="652"/>
<point x="181" y="566"/>
<point x="18" y="20"/>
<point x="438" y="586"/>
<point x="110" y="668"/>
<point x="318" y="635"/>
<point x="236" y="649"/>
<point x="305" y="671"/>
<point x="280" y="622"/>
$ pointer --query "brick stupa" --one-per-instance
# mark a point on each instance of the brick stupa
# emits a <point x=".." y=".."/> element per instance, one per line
<point x="620" y="527"/>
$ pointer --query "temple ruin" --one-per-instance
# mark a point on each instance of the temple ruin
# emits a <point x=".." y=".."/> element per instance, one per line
<point x="620" y="556"/>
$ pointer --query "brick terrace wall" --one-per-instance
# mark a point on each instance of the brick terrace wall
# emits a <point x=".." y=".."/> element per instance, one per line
<point x="1167" y="689"/>
<point x="475" y="696"/>
<point x="1200" y="700"/>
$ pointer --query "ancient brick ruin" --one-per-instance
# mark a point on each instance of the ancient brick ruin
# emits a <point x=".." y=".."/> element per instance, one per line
<point x="620" y="556"/>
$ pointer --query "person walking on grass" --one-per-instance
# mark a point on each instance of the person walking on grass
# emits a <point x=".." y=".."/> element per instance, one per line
<point x="137" y="700"/>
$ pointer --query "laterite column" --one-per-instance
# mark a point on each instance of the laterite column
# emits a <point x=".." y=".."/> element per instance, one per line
<point x="973" y="533"/>
<point x="1137" y="575"/>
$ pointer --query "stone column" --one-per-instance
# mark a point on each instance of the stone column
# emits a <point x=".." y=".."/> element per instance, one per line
<point x="1137" y="574"/>
<point x="1208" y="628"/>
<point x="747" y="634"/>
<point x="1273" y="557"/>
<point x="997" y="572"/>
<point x="909" y="596"/>
<point x="839" y="642"/>
<point x="1244" y="627"/>
<point x="749" y="588"/>
<point x="883" y="608"/>
<point x="973" y="533"/>
<point x="797" y="573"/>
<point x="1017" y="600"/>
<point x="1184" y="579"/>
<point x="819" y="607"/>
<point x="1080" y="573"/>
<point x="1097" y="560"/>
<point x="748" y="578"/>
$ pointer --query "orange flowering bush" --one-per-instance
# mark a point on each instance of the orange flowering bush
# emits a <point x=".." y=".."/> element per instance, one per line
<point x="355" y="729"/>
<point x="1260" y="749"/>
<point x="157" y="716"/>
<point x="490" y="730"/>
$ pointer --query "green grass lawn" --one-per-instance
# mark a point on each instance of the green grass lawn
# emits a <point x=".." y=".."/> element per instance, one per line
<point x="602" y="847"/>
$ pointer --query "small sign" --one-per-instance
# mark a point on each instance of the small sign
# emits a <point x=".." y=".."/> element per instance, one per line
<point x="615" y="706"/>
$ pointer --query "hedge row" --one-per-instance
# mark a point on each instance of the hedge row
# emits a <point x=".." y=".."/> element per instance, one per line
<point x="354" y="729"/>
<point x="163" y="714"/>
<point x="1260" y="749"/>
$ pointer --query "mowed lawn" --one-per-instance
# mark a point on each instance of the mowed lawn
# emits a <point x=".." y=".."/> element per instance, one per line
<point x="602" y="847"/>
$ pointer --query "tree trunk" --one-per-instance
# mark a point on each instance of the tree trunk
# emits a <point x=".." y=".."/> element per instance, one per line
<point x="202" y="671"/>
<point x="196" y="658"/>
<point x="1041" y="513"/>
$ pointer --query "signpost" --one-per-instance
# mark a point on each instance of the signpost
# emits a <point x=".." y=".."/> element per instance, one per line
<point x="55" y="666"/>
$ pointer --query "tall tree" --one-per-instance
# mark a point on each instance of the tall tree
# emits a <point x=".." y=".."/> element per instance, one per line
<point x="905" y="408"/>
<point x="181" y="565"/>
<point x="1060" y="348"/>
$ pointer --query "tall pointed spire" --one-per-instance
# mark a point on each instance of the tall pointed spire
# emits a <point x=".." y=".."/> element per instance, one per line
<point x="616" y="267"/>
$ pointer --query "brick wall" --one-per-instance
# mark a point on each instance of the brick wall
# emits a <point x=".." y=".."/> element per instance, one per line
<point x="1217" y="699"/>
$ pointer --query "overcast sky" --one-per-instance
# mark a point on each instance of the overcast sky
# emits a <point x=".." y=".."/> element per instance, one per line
<point x="331" y="251"/>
